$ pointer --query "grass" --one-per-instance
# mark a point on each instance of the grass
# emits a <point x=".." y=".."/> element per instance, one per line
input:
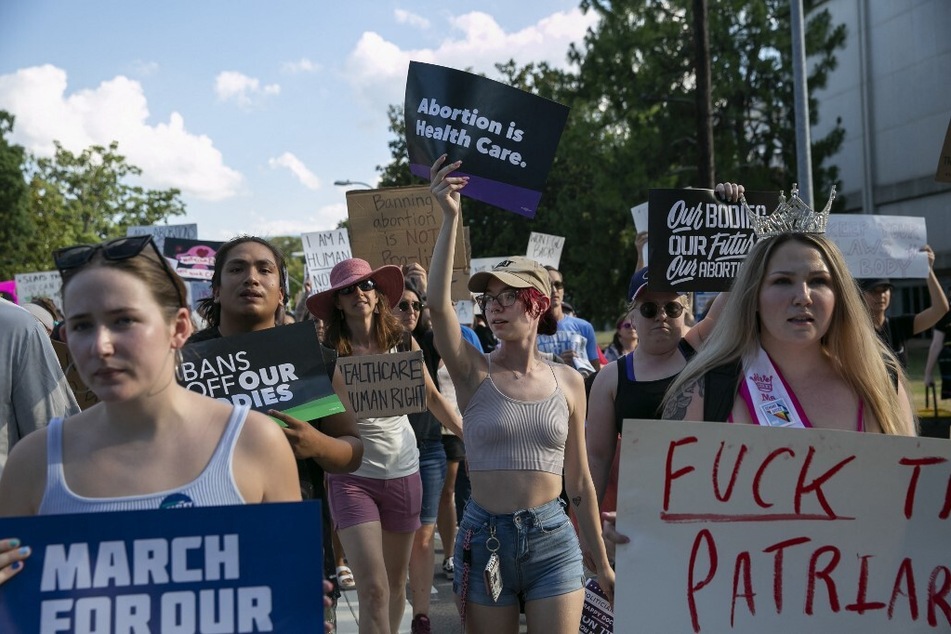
<point x="917" y="355"/>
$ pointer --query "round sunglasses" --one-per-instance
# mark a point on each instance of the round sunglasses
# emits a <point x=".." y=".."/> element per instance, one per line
<point x="673" y="310"/>
<point x="406" y="305"/>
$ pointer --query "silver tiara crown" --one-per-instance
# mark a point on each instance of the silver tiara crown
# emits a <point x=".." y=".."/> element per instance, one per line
<point x="794" y="216"/>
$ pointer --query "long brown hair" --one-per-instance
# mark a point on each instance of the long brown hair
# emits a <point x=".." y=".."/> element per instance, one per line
<point x="387" y="329"/>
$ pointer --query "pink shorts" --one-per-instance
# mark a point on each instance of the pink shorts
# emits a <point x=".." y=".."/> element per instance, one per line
<point x="394" y="503"/>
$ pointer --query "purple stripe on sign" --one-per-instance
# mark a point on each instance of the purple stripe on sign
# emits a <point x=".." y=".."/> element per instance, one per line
<point x="509" y="197"/>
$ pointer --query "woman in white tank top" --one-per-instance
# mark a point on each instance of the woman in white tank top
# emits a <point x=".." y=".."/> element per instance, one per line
<point x="523" y="422"/>
<point x="148" y="442"/>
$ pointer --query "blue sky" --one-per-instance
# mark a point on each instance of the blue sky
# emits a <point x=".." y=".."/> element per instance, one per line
<point x="252" y="109"/>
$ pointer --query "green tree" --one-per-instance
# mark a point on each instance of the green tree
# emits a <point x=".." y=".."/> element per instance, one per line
<point x="86" y="198"/>
<point x="289" y="245"/>
<point x="15" y="220"/>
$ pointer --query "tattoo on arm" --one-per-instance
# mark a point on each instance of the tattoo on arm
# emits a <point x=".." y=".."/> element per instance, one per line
<point x="576" y="500"/>
<point x="676" y="408"/>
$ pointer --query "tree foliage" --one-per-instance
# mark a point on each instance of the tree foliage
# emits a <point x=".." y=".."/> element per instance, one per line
<point x="632" y="127"/>
<point x="51" y="202"/>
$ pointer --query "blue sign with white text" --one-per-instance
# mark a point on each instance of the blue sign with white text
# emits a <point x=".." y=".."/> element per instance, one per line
<point x="211" y="569"/>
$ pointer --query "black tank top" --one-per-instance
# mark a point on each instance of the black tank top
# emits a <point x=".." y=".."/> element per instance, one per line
<point x="641" y="399"/>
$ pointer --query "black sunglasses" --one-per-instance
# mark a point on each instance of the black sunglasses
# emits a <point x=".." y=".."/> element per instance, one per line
<point x="672" y="309"/>
<point x="557" y="285"/>
<point x="365" y="286"/>
<point x="406" y="305"/>
<point x="74" y="257"/>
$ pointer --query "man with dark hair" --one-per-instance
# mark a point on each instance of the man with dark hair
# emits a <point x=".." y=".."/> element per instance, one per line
<point x="575" y="340"/>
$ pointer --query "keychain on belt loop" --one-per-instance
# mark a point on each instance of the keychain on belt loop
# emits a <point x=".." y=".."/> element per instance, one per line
<point x="493" y="573"/>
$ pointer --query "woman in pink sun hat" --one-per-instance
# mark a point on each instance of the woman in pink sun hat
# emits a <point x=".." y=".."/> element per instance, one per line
<point x="376" y="508"/>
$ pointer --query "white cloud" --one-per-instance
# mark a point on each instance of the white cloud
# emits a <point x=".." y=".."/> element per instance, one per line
<point x="116" y="110"/>
<point x="376" y="68"/>
<point x="234" y="86"/>
<point x="326" y="218"/>
<point x="303" y="65"/>
<point x="405" y="17"/>
<point x="143" y="68"/>
<point x="287" y="160"/>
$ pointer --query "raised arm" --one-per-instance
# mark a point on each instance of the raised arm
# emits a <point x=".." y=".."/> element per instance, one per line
<point x="439" y="406"/>
<point x="937" y="342"/>
<point x="455" y="353"/>
<point x="939" y="301"/>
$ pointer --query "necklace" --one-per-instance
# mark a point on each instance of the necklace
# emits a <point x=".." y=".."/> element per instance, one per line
<point x="516" y="374"/>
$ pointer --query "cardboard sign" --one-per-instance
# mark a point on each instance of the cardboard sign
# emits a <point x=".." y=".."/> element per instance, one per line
<point x="545" y="249"/>
<point x="194" y="259"/>
<point x="742" y="528"/>
<point x="278" y="368"/>
<point x="505" y="137"/>
<point x="881" y="246"/>
<point x="397" y="226"/>
<point x="40" y="284"/>
<point x="943" y="173"/>
<point x="385" y="384"/>
<point x="323" y="250"/>
<point x="160" y="232"/>
<point x="697" y="241"/>
<point x="167" y="570"/>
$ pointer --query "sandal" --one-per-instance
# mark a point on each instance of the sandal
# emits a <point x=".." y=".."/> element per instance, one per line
<point x="345" y="579"/>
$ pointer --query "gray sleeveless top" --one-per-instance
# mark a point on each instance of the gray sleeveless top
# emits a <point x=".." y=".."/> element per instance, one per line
<point x="502" y="433"/>
<point x="214" y="486"/>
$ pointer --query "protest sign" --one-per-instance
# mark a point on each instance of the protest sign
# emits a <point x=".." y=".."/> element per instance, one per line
<point x="40" y="284"/>
<point x="597" y="616"/>
<point x="505" y="137"/>
<point x="639" y="213"/>
<point x="545" y="249"/>
<point x="160" y="232"/>
<point x="465" y="311"/>
<point x="9" y="287"/>
<point x="881" y="246"/>
<point x="397" y="226"/>
<point x="322" y="250"/>
<point x="742" y="528"/>
<point x="385" y="384"/>
<point x="943" y="173"/>
<point x="167" y="570"/>
<point x="279" y="368"/>
<point x="193" y="259"/>
<point x="697" y="241"/>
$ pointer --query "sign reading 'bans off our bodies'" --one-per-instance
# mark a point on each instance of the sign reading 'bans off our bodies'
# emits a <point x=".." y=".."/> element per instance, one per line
<point x="505" y="137"/>
<point x="166" y="570"/>
<point x="696" y="241"/>
<point x="742" y="528"/>
<point x="278" y="368"/>
<point x="385" y="384"/>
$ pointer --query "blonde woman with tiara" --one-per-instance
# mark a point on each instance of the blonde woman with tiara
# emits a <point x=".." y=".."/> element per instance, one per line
<point x="795" y="322"/>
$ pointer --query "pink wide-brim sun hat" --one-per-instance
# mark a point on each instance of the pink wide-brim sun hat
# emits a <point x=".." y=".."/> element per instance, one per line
<point x="388" y="278"/>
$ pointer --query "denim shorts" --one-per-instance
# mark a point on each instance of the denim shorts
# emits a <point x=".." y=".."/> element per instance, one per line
<point x="432" y="471"/>
<point x="538" y="550"/>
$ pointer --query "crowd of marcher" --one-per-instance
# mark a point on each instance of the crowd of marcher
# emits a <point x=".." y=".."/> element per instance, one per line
<point x="524" y="416"/>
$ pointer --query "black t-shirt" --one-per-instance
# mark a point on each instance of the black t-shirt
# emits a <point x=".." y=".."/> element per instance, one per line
<point x="641" y="399"/>
<point x="895" y="332"/>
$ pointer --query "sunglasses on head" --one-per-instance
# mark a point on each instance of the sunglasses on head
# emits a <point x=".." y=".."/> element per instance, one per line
<point x="70" y="258"/>
<point x="365" y="286"/>
<point x="406" y="305"/>
<point x="673" y="310"/>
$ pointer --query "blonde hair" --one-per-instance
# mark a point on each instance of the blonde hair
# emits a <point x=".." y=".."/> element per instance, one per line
<point x="857" y="354"/>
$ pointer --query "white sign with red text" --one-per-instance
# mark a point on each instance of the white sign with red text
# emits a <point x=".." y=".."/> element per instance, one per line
<point x="741" y="528"/>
